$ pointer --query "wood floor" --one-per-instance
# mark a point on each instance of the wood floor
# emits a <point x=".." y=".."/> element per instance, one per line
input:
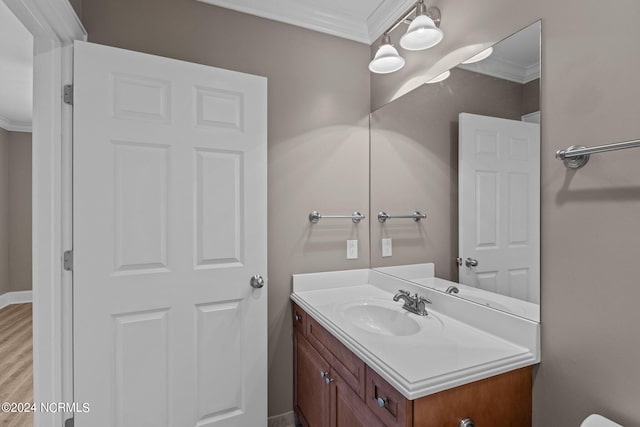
<point x="16" y="362"/>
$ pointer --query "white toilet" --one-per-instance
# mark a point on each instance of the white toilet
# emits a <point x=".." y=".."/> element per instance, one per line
<point x="598" y="421"/>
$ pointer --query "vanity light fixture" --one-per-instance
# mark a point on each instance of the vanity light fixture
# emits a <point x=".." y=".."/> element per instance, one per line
<point x="387" y="59"/>
<point x="424" y="32"/>
<point x="480" y="56"/>
<point x="440" y="77"/>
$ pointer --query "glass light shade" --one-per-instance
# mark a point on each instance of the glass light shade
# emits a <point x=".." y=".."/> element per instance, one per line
<point x="421" y="34"/>
<point x="440" y="77"/>
<point x="480" y="56"/>
<point x="387" y="60"/>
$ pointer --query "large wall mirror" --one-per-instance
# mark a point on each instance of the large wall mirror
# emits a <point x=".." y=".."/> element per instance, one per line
<point x="465" y="151"/>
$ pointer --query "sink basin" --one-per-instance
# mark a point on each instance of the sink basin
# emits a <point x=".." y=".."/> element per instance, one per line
<point x="381" y="320"/>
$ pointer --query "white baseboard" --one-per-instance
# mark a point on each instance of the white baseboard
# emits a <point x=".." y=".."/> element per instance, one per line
<point x="18" y="297"/>
<point x="282" y="420"/>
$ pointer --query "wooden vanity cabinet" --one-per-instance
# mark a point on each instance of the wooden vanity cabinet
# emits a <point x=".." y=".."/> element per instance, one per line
<point x="312" y="394"/>
<point x="346" y="407"/>
<point x="334" y="388"/>
<point x="322" y="397"/>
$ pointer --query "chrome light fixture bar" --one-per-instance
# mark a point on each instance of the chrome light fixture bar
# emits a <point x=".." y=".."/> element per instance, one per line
<point x="424" y="32"/>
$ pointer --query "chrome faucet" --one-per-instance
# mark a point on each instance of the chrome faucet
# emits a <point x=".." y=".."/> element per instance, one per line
<point x="452" y="290"/>
<point x="414" y="304"/>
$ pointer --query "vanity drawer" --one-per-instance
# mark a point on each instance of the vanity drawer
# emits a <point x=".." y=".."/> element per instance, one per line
<point x="345" y="363"/>
<point x="299" y="319"/>
<point x="386" y="402"/>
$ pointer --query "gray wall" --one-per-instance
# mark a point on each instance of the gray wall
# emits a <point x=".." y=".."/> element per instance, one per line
<point x="318" y="133"/>
<point x="531" y="97"/>
<point x="4" y="211"/>
<point x="414" y="165"/>
<point x="590" y="237"/>
<point x="20" y="196"/>
<point x="15" y="211"/>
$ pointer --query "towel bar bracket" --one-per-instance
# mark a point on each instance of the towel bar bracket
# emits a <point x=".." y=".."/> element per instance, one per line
<point x="573" y="162"/>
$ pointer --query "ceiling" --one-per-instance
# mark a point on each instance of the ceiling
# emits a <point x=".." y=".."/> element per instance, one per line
<point x="516" y="58"/>
<point x="16" y="73"/>
<point x="359" y="20"/>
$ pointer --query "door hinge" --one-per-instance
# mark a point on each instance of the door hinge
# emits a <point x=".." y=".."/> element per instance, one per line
<point x="67" y="261"/>
<point x="68" y="422"/>
<point x="68" y="94"/>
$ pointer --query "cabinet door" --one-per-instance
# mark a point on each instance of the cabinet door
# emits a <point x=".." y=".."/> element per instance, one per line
<point x="312" y="393"/>
<point x="347" y="409"/>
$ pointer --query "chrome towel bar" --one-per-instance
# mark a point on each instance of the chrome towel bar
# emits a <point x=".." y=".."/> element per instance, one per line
<point x="315" y="216"/>
<point x="416" y="216"/>
<point x="577" y="156"/>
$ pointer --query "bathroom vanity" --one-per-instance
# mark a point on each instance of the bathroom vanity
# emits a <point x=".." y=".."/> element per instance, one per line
<point x="361" y="360"/>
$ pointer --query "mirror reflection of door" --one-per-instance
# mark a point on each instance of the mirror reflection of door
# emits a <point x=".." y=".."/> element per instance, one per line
<point x="499" y="205"/>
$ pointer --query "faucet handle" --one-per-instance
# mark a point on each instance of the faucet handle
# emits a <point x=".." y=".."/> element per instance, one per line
<point x="403" y="292"/>
<point x="425" y="300"/>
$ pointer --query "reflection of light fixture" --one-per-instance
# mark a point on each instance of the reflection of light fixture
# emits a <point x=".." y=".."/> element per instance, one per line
<point x="424" y="32"/>
<point x="480" y="56"/>
<point x="387" y="59"/>
<point x="440" y="77"/>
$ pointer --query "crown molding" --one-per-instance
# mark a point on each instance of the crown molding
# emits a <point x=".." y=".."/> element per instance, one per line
<point x="308" y="16"/>
<point x="14" y="125"/>
<point x="340" y="23"/>
<point x="506" y="70"/>
<point x="532" y="73"/>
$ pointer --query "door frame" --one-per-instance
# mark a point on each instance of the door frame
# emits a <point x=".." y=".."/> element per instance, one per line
<point x="54" y="26"/>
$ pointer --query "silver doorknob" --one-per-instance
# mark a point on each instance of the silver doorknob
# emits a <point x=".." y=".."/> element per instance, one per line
<point x="470" y="262"/>
<point x="257" y="281"/>
<point x="467" y="422"/>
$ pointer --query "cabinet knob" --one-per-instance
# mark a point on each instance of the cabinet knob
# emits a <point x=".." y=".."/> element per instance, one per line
<point x="382" y="401"/>
<point x="328" y="380"/>
<point x="298" y="317"/>
<point x="466" y="422"/>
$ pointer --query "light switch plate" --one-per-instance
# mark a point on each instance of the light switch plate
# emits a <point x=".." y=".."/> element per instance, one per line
<point x="352" y="249"/>
<point x="387" y="247"/>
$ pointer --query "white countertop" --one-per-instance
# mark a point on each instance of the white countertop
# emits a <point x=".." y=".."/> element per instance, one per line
<point x="443" y="354"/>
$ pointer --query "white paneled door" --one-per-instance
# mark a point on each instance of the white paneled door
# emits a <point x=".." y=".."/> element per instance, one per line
<point x="169" y="227"/>
<point x="499" y="205"/>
